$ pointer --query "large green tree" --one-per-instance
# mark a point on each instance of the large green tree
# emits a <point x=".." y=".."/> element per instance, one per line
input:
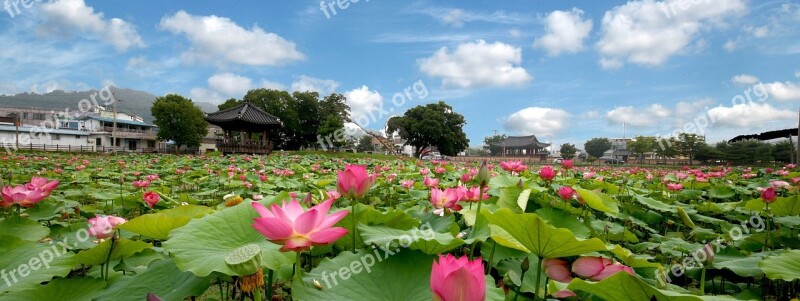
<point x="667" y="148"/>
<point x="494" y="150"/>
<point x="180" y="120"/>
<point x="689" y="144"/>
<point x="280" y="104"/>
<point x="365" y="144"/>
<point x="568" y="151"/>
<point x="595" y="147"/>
<point x="434" y="124"/>
<point x="641" y="145"/>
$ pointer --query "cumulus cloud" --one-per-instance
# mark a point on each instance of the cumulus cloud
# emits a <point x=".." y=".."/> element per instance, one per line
<point x="639" y="116"/>
<point x="477" y="64"/>
<point x="744" y="79"/>
<point x="216" y="38"/>
<point x="457" y="17"/>
<point x="69" y="16"/>
<point x="566" y="31"/>
<point x="648" y="32"/>
<point x="687" y="109"/>
<point x="749" y="114"/>
<point x="230" y="84"/>
<point x="783" y="91"/>
<point x="537" y="120"/>
<point x="322" y="86"/>
<point x="364" y="105"/>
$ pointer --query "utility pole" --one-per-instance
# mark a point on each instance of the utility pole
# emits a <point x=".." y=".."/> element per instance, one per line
<point x="797" y="159"/>
<point x="114" y="126"/>
<point x="16" y="128"/>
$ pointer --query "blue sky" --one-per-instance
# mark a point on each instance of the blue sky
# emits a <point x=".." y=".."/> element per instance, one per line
<point x="566" y="71"/>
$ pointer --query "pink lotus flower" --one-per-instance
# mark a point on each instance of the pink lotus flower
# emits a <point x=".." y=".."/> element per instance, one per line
<point x="333" y="194"/>
<point x="151" y="198"/>
<point x="407" y="184"/>
<point x="566" y="193"/>
<point x="22" y="196"/>
<point x="424" y="172"/>
<point x="354" y="181"/>
<point x="431" y="183"/>
<point x="597" y="268"/>
<point x="297" y="230"/>
<point x="445" y="200"/>
<point x="547" y="173"/>
<point x="563" y="294"/>
<point x="780" y="184"/>
<point x="675" y="186"/>
<point x="102" y="226"/>
<point x="439" y="170"/>
<point x="513" y="166"/>
<point x="151" y="178"/>
<point x="46" y="186"/>
<point x="557" y="269"/>
<point x="472" y="194"/>
<point x="589" y="175"/>
<point x="567" y="164"/>
<point x="769" y="195"/>
<point x="466" y="177"/>
<point x="141" y="184"/>
<point x="458" y="279"/>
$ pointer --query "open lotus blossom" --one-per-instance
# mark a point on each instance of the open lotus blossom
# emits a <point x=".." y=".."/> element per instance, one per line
<point x="567" y="164"/>
<point x="598" y="268"/>
<point x="458" y="279"/>
<point x="566" y="193"/>
<point x="769" y="195"/>
<point x="141" y="184"/>
<point x="563" y="294"/>
<point x="296" y="229"/>
<point x="354" y="181"/>
<point x="151" y="198"/>
<point x="102" y="226"/>
<point x="557" y="269"/>
<point x="407" y="184"/>
<point x="445" y="200"/>
<point x="430" y="182"/>
<point x="675" y="186"/>
<point x="439" y="170"/>
<point x="589" y="175"/>
<point x="780" y="184"/>
<point x="513" y="166"/>
<point x="547" y="173"/>
<point x="22" y="196"/>
<point x="46" y="186"/>
<point x="472" y="194"/>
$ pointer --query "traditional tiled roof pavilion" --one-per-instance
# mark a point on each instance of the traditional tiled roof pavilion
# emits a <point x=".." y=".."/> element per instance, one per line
<point x="244" y="120"/>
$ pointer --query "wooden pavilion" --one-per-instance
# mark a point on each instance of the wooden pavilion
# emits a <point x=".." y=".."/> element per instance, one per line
<point x="239" y="124"/>
<point x="523" y="146"/>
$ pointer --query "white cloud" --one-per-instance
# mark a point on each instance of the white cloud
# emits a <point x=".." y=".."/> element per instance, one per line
<point x="477" y="64"/>
<point x="639" y="117"/>
<point x="537" y="121"/>
<point x="688" y="109"/>
<point x="64" y="16"/>
<point x="457" y="17"/>
<point x="307" y="83"/>
<point x="758" y="32"/>
<point x="206" y="95"/>
<point x="751" y="114"/>
<point x="216" y="38"/>
<point x="566" y="31"/>
<point x="590" y="115"/>
<point x="783" y="91"/>
<point x="364" y="105"/>
<point x="744" y="79"/>
<point x="648" y="32"/>
<point x="729" y="46"/>
<point x="230" y="84"/>
<point x="266" y="84"/>
<point x="797" y="73"/>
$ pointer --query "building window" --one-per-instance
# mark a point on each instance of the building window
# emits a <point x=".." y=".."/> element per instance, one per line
<point x="77" y="137"/>
<point x="55" y="137"/>
<point x="38" y="116"/>
<point x="151" y="143"/>
<point x="25" y="115"/>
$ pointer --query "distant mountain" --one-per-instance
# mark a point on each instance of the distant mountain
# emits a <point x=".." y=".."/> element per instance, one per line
<point x="129" y="101"/>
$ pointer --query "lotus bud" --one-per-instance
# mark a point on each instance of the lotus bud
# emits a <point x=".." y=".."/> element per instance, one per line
<point x="483" y="174"/>
<point x="526" y="264"/>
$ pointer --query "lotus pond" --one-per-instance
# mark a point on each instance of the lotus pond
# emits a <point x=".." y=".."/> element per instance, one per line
<point x="318" y="227"/>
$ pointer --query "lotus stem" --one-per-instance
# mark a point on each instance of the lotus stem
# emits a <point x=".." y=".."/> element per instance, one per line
<point x="108" y="258"/>
<point x="766" y="239"/>
<point x="703" y="280"/>
<point x="355" y="227"/>
<point x="269" y="285"/>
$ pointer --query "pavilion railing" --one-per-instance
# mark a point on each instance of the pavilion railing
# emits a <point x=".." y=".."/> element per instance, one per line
<point x="244" y="146"/>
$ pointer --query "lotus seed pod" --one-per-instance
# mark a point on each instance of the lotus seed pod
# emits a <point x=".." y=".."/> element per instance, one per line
<point x="245" y="260"/>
